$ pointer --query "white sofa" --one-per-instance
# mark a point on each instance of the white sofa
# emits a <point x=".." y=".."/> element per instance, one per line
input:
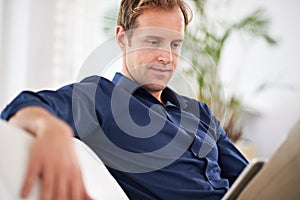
<point x="14" y="148"/>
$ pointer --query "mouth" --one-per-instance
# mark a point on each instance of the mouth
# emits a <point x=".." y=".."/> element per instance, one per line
<point x="161" y="68"/>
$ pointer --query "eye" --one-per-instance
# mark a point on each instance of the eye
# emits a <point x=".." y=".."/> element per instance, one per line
<point x="153" y="42"/>
<point x="176" y="45"/>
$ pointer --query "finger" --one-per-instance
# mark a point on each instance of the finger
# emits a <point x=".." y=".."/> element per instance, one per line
<point x="31" y="176"/>
<point x="47" y="184"/>
<point x="62" y="188"/>
<point x="76" y="189"/>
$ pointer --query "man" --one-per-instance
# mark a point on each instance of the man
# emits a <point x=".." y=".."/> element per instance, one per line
<point x="156" y="143"/>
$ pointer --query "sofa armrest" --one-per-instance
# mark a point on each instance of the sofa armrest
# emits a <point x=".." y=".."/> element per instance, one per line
<point x="14" y="147"/>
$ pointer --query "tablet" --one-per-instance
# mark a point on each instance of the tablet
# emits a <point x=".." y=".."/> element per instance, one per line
<point x="244" y="178"/>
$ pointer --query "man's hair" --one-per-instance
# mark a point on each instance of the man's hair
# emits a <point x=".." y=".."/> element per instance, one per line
<point x="131" y="9"/>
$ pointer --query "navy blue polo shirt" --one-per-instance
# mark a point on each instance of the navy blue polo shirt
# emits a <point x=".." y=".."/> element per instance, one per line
<point x="171" y="150"/>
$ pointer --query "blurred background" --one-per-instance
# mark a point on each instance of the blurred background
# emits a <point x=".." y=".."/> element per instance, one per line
<point x="43" y="44"/>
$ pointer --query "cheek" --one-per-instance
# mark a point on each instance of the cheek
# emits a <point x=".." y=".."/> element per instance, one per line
<point x="175" y="60"/>
<point x="142" y="57"/>
<point x="131" y="59"/>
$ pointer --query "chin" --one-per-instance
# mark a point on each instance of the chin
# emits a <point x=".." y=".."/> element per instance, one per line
<point x="155" y="87"/>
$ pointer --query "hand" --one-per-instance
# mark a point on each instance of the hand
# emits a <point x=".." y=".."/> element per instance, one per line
<point x="53" y="159"/>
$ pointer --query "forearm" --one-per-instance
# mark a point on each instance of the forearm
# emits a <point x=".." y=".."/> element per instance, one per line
<point x="37" y="120"/>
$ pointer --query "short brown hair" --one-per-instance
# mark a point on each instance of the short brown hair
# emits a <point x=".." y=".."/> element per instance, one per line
<point x="131" y="9"/>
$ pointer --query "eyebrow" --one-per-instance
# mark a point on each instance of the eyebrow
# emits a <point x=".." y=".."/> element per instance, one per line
<point x="161" y="38"/>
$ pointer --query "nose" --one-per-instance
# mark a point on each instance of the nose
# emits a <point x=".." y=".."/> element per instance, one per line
<point x="165" y="56"/>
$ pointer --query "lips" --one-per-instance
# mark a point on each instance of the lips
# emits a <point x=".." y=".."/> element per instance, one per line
<point x="160" y="68"/>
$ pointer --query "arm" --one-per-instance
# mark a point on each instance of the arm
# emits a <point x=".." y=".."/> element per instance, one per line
<point x="54" y="117"/>
<point x="52" y="155"/>
<point x="231" y="161"/>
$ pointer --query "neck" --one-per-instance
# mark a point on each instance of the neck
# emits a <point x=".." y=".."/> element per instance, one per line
<point x="156" y="94"/>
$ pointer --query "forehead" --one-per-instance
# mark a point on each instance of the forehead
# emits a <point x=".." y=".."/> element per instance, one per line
<point x="161" y="21"/>
<point x="158" y="33"/>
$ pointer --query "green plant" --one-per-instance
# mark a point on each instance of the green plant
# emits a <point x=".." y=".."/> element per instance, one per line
<point x="205" y="45"/>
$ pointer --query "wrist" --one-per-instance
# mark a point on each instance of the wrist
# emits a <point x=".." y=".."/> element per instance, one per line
<point x="50" y="124"/>
<point x="38" y="121"/>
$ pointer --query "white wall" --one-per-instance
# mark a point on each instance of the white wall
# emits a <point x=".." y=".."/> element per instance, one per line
<point x="251" y="62"/>
<point x="1" y="58"/>
<point x="13" y="45"/>
<point x="26" y="46"/>
<point x="30" y="43"/>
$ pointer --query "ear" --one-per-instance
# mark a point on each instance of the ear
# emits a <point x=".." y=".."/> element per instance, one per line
<point x="121" y="37"/>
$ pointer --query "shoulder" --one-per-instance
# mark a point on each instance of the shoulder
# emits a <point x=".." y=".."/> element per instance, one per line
<point x="92" y="83"/>
<point x="91" y="89"/>
<point x="94" y="80"/>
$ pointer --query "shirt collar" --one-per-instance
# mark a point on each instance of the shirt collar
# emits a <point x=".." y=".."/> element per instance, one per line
<point x="168" y="96"/>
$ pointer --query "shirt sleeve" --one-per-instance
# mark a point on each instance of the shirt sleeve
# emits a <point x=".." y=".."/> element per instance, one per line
<point x="67" y="103"/>
<point x="58" y="102"/>
<point x="231" y="161"/>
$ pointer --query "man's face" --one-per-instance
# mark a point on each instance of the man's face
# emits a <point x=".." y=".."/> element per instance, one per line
<point x="152" y="51"/>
